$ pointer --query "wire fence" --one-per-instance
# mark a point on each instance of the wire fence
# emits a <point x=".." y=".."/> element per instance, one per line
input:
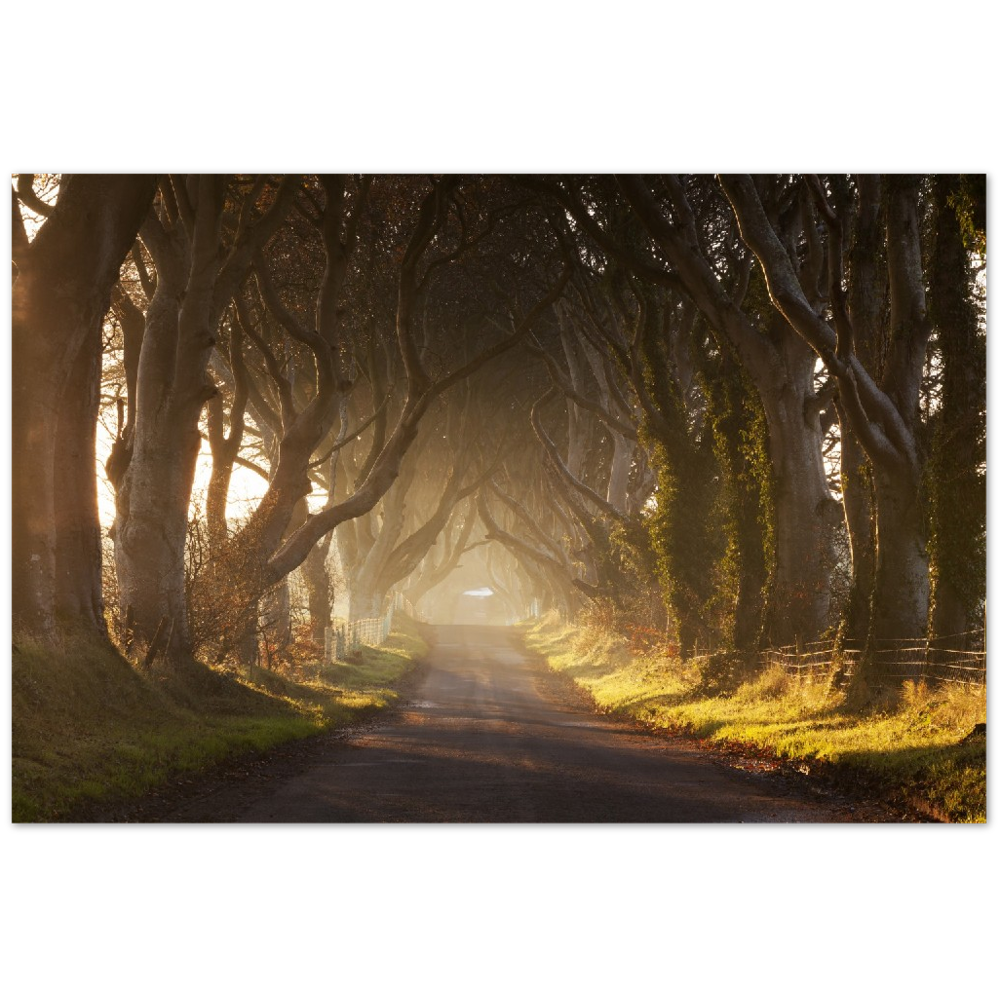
<point x="955" y="659"/>
<point x="348" y="637"/>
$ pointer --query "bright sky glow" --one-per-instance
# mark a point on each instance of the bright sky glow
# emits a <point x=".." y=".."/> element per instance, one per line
<point x="245" y="488"/>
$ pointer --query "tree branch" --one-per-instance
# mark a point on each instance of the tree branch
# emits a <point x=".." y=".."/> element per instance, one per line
<point x="27" y="196"/>
<point x="547" y="443"/>
<point x="18" y="233"/>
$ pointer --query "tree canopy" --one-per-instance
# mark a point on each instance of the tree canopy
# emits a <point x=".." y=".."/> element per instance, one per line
<point x="736" y="411"/>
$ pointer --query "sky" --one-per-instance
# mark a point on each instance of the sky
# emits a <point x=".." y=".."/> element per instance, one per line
<point x="246" y="488"/>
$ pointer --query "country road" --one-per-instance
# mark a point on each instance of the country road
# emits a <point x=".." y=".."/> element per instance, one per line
<point x="491" y="736"/>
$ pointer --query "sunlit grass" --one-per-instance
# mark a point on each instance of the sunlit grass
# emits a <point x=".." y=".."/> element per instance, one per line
<point x="616" y="679"/>
<point x="909" y="749"/>
<point x="88" y="726"/>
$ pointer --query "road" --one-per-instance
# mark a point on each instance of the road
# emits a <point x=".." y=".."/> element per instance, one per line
<point x="491" y="736"/>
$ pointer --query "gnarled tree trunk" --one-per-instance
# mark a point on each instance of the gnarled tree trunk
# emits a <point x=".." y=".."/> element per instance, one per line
<point x="155" y="492"/>
<point x="804" y="513"/>
<point x="60" y="297"/>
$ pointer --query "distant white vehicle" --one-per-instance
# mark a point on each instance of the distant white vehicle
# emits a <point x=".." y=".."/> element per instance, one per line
<point x="479" y="607"/>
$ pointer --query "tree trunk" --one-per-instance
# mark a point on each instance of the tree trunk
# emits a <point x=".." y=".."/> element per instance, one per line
<point x="197" y="275"/>
<point x="857" y="489"/>
<point x="740" y="431"/>
<point x="621" y="471"/>
<point x="902" y="585"/>
<point x="781" y="367"/>
<point x="957" y="483"/>
<point x="804" y="516"/>
<point x="316" y="576"/>
<point x="885" y="417"/>
<point x="79" y="596"/>
<point x="224" y="453"/>
<point x="155" y="491"/>
<point x="35" y="428"/>
<point x="276" y="616"/>
<point x="59" y="299"/>
<point x="685" y="540"/>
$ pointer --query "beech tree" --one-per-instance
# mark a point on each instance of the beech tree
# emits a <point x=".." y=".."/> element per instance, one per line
<point x="957" y="462"/>
<point x="701" y="425"/>
<point x="781" y="369"/>
<point x="205" y="238"/>
<point x="883" y="414"/>
<point x="201" y="243"/>
<point x="729" y="393"/>
<point x="61" y="292"/>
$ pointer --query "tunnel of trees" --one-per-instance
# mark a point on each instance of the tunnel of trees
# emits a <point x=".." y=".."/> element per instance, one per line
<point x="736" y="412"/>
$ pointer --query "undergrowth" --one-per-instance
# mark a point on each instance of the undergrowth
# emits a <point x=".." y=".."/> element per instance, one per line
<point x="910" y="749"/>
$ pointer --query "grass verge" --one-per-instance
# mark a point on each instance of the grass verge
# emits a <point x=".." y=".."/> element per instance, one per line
<point x="910" y="752"/>
<point x="88" y="726"/>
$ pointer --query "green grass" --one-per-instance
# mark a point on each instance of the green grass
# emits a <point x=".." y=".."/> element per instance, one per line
<point x="88" y="726"/>
<point x="907" y="751"/>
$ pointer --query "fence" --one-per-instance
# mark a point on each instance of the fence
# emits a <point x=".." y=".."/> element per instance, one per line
<point x="350" y="636"/>
<point x="908" y="659"/>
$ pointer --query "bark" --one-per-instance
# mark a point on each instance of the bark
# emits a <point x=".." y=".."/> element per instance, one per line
<point x="859" y="514"/>
<point x="622" y="457"/>
<point x="154" y="494"/>
<point x="528" y="526"/>
<point x="319" y="588"/>
<point x="747" y="487"/>
<point x="884" y="419"/>
<point x="866" y="304"/>
<point x="79" y="595"/>
<point x="621" y="430"/>
<point x="508" y="590"/>
<point x="576" y="420"/>
<point x="197" y="276"/>
<point x="902" y="584"/>
<point x="406" y="535"/>
<point x="133" y="325"/>
<point x="573" y="481"/>
<point x="804" y="511"/>
<point x="407" y="555"/>
<point x="782" y="374"/>
<point x="60" y="297"/>
<point x="223" y="462"/>
<point x="957" y="483"/>
<point x="364" y="602"/>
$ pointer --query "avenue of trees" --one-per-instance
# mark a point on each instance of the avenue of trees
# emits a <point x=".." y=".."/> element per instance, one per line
<point x="736" y="411"/>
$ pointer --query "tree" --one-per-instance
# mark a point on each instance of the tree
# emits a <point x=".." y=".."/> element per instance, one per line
<point x="884" y="413"/>
<point x="61" y="293"/>
<point x="583" y="389"/>
<point x="201" y="236"/>
<point x="956" y="474"/>
<point x="716" y="276"/>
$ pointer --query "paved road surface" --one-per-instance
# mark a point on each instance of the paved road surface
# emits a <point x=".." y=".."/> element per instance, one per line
<point x="490" y="736"/>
